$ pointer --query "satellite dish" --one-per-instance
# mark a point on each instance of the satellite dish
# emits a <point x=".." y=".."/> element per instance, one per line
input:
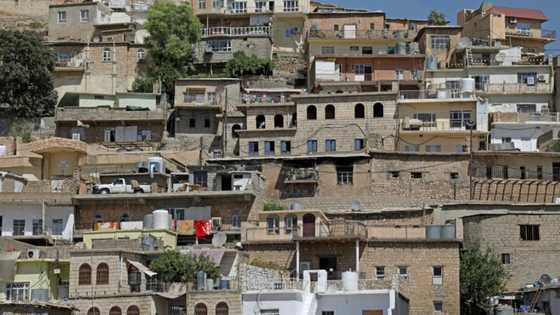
<point x="219" y="239"/>
<point x="545" y="279"/>
<point x="464" y="42"/>
<point x="356" y="205"/>
<point x="501" y="57"/>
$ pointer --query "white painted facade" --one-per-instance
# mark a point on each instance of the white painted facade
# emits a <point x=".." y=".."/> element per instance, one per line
<point x="524" y="136"/>
<point x="31" y="213"/>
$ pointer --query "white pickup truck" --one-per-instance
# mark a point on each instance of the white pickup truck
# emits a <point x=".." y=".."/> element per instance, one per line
<point x="119" y="186"/>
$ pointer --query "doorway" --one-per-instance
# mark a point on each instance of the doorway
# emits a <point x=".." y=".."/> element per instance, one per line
<point x="309" y="225"/>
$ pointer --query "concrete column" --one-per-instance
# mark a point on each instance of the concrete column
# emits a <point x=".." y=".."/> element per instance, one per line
<point x="297" y="260"/>
<point x="358" y="256"/>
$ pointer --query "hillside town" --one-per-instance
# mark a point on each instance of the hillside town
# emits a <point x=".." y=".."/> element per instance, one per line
<point x="306" y="159"/>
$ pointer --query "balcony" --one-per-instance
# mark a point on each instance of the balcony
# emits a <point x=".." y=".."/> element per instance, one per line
<point x="514" y="88"/>
<point x="409" y="124"/>
<point x="339" y="230"/>
<point x="500" y="117"/>
<point x="537" y="34"/>
<point x="301" y="176"/>
<point x="106" y="114"/>
<point x="360" y="34"/>
<point x="236" y="31"/>
<point x="74" y="64"/>
<point x="443" y="94"/>
<point x="369" y="78"/>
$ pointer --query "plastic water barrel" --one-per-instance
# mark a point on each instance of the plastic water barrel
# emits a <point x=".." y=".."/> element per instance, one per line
<point x="350" y="281"/>
<point x="161" y="219"/>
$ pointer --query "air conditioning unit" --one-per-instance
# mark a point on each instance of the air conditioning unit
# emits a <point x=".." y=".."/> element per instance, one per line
<point x="33" y="253"/>
<point x="412" y="124"/>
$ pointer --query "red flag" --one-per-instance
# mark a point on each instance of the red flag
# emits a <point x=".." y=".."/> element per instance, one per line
<point x="202" y="227"/>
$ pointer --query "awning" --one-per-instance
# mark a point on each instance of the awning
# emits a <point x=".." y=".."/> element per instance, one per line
<point x="142" y="268"/>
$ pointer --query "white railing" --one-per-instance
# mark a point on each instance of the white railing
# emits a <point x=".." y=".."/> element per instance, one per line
<point x="236" y="31"/>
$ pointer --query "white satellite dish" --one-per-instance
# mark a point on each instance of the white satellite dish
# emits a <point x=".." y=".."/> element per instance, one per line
<point x="219" y="239"/>
<point x="501" y="57"/>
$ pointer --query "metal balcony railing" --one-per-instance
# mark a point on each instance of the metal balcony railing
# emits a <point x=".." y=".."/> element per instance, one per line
<point x="360" y="34"/>
<point x="514" y="88"/>
<point x="433" y="94"/>
<point x="543" y="33"/>
<point x="236" y="31"/>
<point x="106" y="114"/>
<point x="411" y="124"/>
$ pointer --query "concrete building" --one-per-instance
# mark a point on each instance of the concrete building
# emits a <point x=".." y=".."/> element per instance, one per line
<point x="524" y="241"/>
<point x="351" y="51"/>
<point x="134" y="119"/>
<point x="528" y="132"/>
<point x="507" y="26"/>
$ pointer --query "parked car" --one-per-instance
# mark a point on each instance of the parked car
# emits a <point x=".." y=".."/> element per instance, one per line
<point x="119" y="186"/>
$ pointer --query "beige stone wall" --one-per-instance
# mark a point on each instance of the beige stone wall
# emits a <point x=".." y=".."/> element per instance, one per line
<point x="211" y="299"/>
<point x="74" y="29"/>
<point x="326" y="22"/>
<point x="145" y="304"/>
<point x="529" y="259"/>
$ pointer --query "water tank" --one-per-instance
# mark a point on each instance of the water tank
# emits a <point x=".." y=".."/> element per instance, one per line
<point x="350" y="281"/>
<point x="467" y="85"/>
<point x="161" y="219"/>
<point x="433" y="232"/>
<point x="148" y="221"/>
<point x="201" y="280"/>
<point x="448" y="232"/>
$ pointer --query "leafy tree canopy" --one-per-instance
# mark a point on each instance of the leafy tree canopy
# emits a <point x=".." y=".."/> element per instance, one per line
<point x="174" y="31"/>
<point x="437" y="18"/>
<point x="26" y="82"/>
<point x="241" y="65"/>
<point x="482" y="276"/>
<point x="173" y="266"/>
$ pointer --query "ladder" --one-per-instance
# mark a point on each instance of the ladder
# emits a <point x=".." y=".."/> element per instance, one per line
<point x="535" y="299"/>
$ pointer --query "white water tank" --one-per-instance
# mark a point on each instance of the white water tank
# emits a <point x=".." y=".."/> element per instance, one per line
<point x="161" y="219"/>
<point x="350" y="281"/>
<point x="467" y="85"/>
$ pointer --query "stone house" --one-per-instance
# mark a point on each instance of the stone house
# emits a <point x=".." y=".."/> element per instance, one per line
<point x="526" y="243"/>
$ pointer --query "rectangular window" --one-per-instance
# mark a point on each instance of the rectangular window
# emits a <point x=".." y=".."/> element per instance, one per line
<point x="200" y="178"/>
<point x="359" y="144"/>
<point x="37" y="226"/>
<point x="202" y="4"/>
<point x="395" y="174"/>
<point x="403" y="272"/>
<point x="488" y="172"/>
<point x="438" y="307"/>
<point x="253" y="148"/>
<point x="440" y="42"/>
<point x="18" y="291"/>
<point x="523" y="172"/>
<point x="528" y="78"/>
<point x="61" y="17"/>
<point x="311" y="146"/>
<point x="219" y="45"/>
<point x="437" y="275"/>
<point x="19" y="227"/>
<point x="206" y="123"/>
<point x="526" y="108"/>
<point x="194" y="95"/>
<point x="327" y="313"/>
<point x="354" y="48"/>
<point x="345" y="175"/>
<point x="433" y="147"/>
<point x="453" y="175"/>
<point x="556" y="172"/>
<point x="380" y="272"/>
<point x="217" y="4"/>
<point x="269" y="147"/>
<point x="529" y="232"/>
<point x="505" y="172"/>
<point x="327" y="50"/>
<point x="416" y="175"/>
<point x="481" y="82"/>
<point x="506" y="259"/>
<point x="367" y="50"/>
<point x="107" y="55"/>
<point x="192" y="123"/>
<point x="459" y="119"/>
<point x="84" y="15"/>
<point x="330" y="145"/>
<point x="539" y="172"/>
<point x="506" y="140"/>
<point x="427" y="119"/>
<point x="291" y="5"/>
<point x="140" y="54"/>
<point x="239" y="7"/>
<point x="285" y="147"/>
<point x="411" y="148"/>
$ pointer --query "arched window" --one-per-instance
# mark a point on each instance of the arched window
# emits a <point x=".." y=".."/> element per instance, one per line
<point x="234" y="130"/>
<point x="102" y="276"/>
<point x="359" y="111"/>
<point x="329" y="112"/>
<point x="84" y="275"/>
<point x="377" y="110"/>
<point x="93" y="311"/>
<point x="311" y="112"/>
<point x="115" y="310"/>
<point x="125" y="217"/>
<point x="200" y="309"/>
<point x="278" y="121"/>
<point x="261" y="122"/>
<point x="133" y="310"/>
<point x="222" y="308"/>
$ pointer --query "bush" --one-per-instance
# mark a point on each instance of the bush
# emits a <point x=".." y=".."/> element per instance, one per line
<point x="173" y="266"/>
<point x="243" y="65"/>
<point x="272" y="206"/>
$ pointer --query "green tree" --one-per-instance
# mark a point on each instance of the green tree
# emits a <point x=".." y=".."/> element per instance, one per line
<point x="173" y="266"/>
<point x="26" y="81"/>
<point x="174" y="32"/>
<point x="437" y="18"/>
<point x="241" y="65"/>
<point x="482" y="276"/>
